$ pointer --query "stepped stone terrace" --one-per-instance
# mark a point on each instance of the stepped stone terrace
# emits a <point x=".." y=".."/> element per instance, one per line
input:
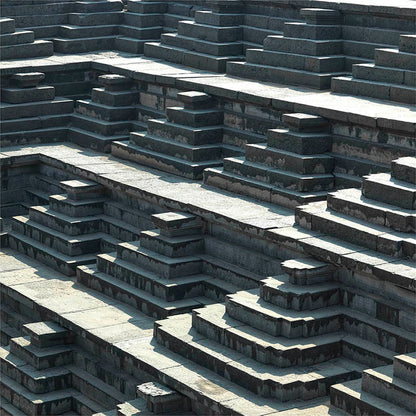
<point x="208" y="207"/>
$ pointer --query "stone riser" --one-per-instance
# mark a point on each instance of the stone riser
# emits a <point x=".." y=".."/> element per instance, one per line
<point x="92" y="19"/>
<point x="63" y="205"/>
<point x="93" y="140"/>
<point x="114" y="99"/>
<point x="102" y="112"/>
<point x="17" y="38"/>
<point x="203" y="118"/>
<point x="82" y="45"/>
<point x="210" y="33"/>
<point x="404" y="367"/>
<point x="74" y="32"/>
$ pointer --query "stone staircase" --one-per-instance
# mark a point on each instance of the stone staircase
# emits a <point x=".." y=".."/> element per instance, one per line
<point x="380" y="217"/>
<point x="291" y="169"/>
<point x="19" y="44"/>
<point x="391" y="77"/>
<point x="108" y="116"/>
<point x="30" y="112"/>
<point x="185" y="143"/>
<point x="387" y="390"/>
<point x="162" y="274"/>
<point x="214" y="38"/>
<point x="39" y="375"/>
<point x="71" y="229"/>
<point x="307" y="54"/>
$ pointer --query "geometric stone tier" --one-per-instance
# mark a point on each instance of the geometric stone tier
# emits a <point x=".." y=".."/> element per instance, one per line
<point x="209" y="42"/>
<point x="185" y="143"/>
<point x="391" y="77"/>
<point x="91" y="26"/>
<point x="388" y="390"/>
<point x="291" y="339"/>
<point x="30" y="112"/>
<point x="142" y="22"/>
<point x="290" y="170"/>
<point x="21" y="43"/>
<point x="109" y="115"/>
<point x="39" y="376"/>
<point x="307" y="53"/>
<point x="71" y="229"/>
<point x="162" y="274"/>
<point x="381" y="217"/>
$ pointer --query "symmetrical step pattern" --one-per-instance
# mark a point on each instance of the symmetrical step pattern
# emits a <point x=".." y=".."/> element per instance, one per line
<point x="90" y="26"/>
<point x="142" y="22"/>
<point x="307" y="53"/>
<point x="391" y="77"/>
<point x="214" y="38"/>
<point x="70" y="230"/>
<point x="290" y="170"/>
<point x="185" y="143"/>
<point x="162" y="273"/>
<point x="108" y="116"/>
<point x="30" y="112"/>
<point x="19" y="44"/>
<point x="382" y="217"/>
<point x="388" y="390"/>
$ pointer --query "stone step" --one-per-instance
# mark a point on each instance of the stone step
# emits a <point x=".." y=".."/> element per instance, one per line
<point x="240" y="138"/>
<point x="34" y="123"/>
<point x="404" y="169"/>
<point x="202" y="46"/>
<point x="255" y="36"/>
<point x="142" y="300"/>
<point x="379" y="90"/>
<point x="371" y="72"/>
<point x="41" y="358"/>
<point x="7" y="408"/>
<point x="362" y="49"/>
<point x="76" y="32"/>
<point x="277" y="177"/>
<point x="289" y="161"/>
<point x="82" y="45"/>
<point x="211" y="18"/>
<point x="394" y="58"/>
<point x="188" y="58"/>
<point x="380" y="382"/>
<point x="36" y="381"/>
<point x="142" y="19"/>
<point x="165" y="267"/>
<point x="350" y="398"/>
<point x="175" y="165"/>
<point x="7" y="332"/>
<point x="146" y="6"/>
<point x="133" y="218"/>
<point x="49" y="256"/>
<point x="98" y="6"/>
<point x="280" y="75"/>
<point x="118" y="98"/>
<point x="349" y="229"/>
<point x="213" y="322"/>
<point x="382" y="187"/>
<point x="26" y="95"/>
<point x="169" y="290"/>
<point x="318" y="64"/>
<point x="54" y="7"/>
<point x="196" y="118"/>
<point x="303" y="30"/>
<point x="94" y="19"/>
<point x="307" y="271"/>
<point x="371" y="34"/>
<point x="303" y="46"/>
<point x="36" y="22"/>
<point x="261" y="379"/>
<point x="7" y="25"/>
<point x="351" y="202"/>
<point x="174" y="147"/>
<point x="47" y="184"/>
<point x="12" y="318"/>
<point x="259" y="190"/>
<point x="35" y="109"/>
<point x="64" y="224"/>
<point x="141" y="33"/>
<point x="280" y="292"/>
<point x="407" y="43"/>
<point x="30" y="403"/>
<point x="27" y="50"/>
<point x="82" y="405"/>
<point x="16" y="38"/>
<point x="404" y="367"/>
<point x="355" y="166"/>
<point x="47" y="334"/>
<point x="18" y="138"/>
<point x="172" y="247"/>
<point x="210" y="33"/>
<point x="104" y="112"/>
<point x="72" y="208"/>
<point x="93" y="140"/>
<point x="130" y="45"/>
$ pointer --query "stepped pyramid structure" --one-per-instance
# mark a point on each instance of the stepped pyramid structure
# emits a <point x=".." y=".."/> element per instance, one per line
<point x="214" y="38"/>
<point x="108" y="116"/>
<point x="291" y="169"/>
<point x="382" y="390"/>
<point x="186" y="143"/>
<point x="71" y="229"/>
<point x="307" y="53"/>
<point x="17" y="44"/>
<point x="30" y="111"/>
<point x="391" y="77"/>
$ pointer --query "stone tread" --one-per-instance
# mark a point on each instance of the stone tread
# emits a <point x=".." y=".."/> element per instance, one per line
<point x="352" y="389"/>
<point x="34" y="351"/>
